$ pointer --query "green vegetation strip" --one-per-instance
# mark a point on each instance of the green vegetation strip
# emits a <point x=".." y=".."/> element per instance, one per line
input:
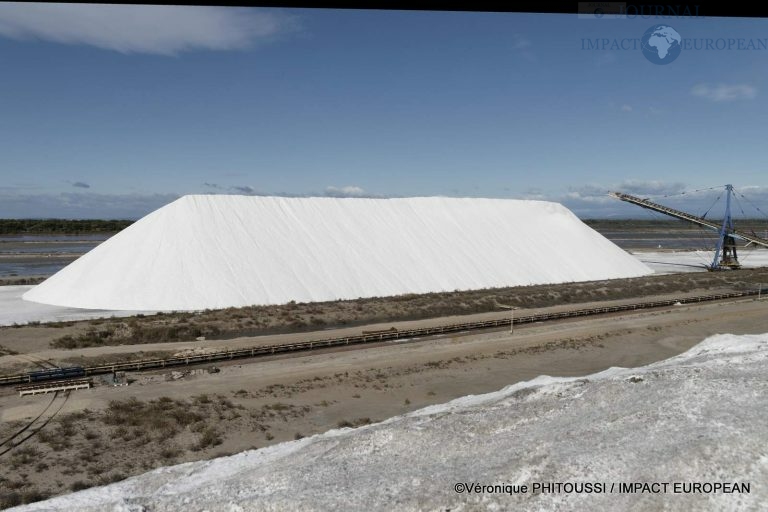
<point x="61" y="226"/>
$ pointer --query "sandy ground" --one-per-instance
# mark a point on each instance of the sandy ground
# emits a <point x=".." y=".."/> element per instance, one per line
<point x="319" y="391"/>
<point x="561" y="349"/>
<point x="35" y="340"/>
<point x="698" y="418"/>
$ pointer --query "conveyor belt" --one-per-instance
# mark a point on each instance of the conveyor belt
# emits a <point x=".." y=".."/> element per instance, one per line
<point x="268" y="350"/>
<point x="644" y="203"/>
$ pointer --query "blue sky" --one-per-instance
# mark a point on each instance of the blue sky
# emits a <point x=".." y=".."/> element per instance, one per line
<point x="112" y="111"/>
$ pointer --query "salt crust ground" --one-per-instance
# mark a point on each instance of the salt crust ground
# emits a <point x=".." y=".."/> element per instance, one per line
<point x="216" y="251"/>
<point x="698" y="417"/>
<point x="15" y="310"/>
<point x="669" y="262"/>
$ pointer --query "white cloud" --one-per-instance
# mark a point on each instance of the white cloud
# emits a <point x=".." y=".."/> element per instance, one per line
<point x="724" y="92"/>
<point x="244" y="189"/>
<point x="156" y="29"/>
<point x="592" y="201"/>
<point x="650" y="187"/>
<point x="348" y="191"/>
<point x="521" y="42"/>
<point x="626" y="108"/>
<point x="15" y="204"/>
<point x="522" y="46"/>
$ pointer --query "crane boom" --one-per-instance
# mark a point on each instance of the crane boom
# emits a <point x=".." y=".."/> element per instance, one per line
<point x="644" y="203"/>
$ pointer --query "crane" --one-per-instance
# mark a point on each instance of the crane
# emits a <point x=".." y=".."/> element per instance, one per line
<point x="726" y="242"/>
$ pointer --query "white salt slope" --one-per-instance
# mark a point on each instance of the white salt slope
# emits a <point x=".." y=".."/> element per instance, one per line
<point x="214" y="251"/>
<point x="14" y="310"/>
<point x="698" y="417"/>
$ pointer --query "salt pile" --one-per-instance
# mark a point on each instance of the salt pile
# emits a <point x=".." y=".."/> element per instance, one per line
<point x="701" y="417"/>
<point x="216" y="251"/>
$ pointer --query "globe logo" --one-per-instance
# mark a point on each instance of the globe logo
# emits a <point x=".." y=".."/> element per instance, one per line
<point x="661" y="44"/>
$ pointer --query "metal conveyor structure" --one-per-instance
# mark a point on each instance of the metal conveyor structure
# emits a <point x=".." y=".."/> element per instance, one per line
<point x="726" y="242"/>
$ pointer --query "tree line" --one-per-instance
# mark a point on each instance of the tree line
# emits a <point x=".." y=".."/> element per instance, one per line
<point x="61" y="226"/>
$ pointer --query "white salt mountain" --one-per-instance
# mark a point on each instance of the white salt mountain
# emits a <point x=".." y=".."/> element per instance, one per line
<point x="216" y="251"/>
<point x="701" y="417"/>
